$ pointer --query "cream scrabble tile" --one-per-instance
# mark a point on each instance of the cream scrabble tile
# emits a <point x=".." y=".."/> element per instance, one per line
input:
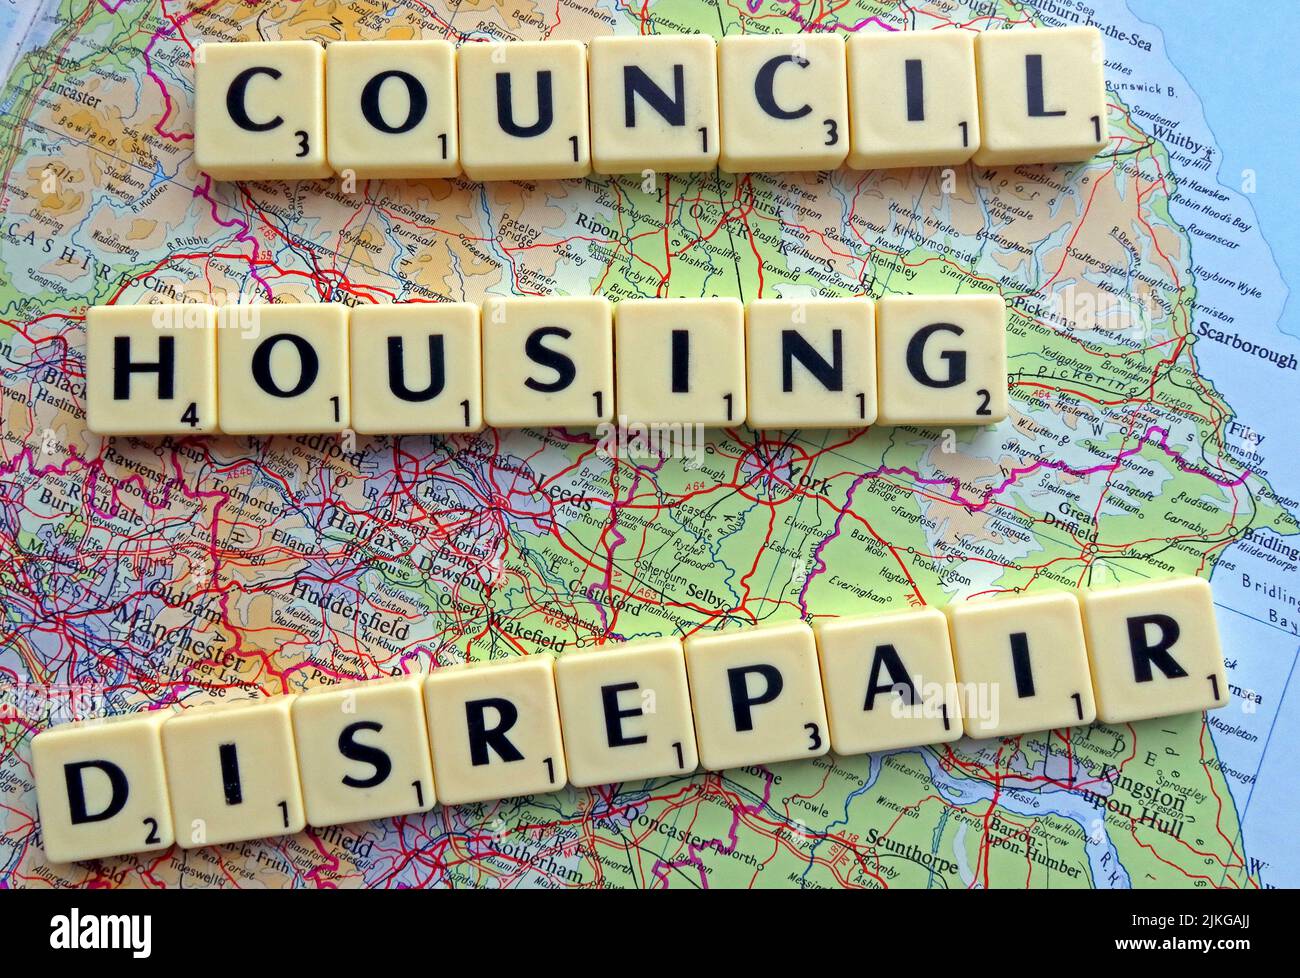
<point x="101" y="788"/>
<point x="363" y="750"/>
<point x="550" y="362"/>
<point x="654" y="103"/>
<point x="495" y="729"/>
<point x="681" y="361"/>
<point x="889" y="681"/>
<point x="391" y="108"/>
<point x="1042" y="95"/>
<point x="1022" y="664"/>
<point x="151" y="369"/>
<point x="912" y="99"/>
<point x="811" y="363"/>
<point x="523" y="110"/>
<point x="282" y="368"/>
<point x="784" y="103"/>
<point x="942" y="360"/>
<point x="757" y="696"/>
<point x="417" y="368"/>
<point x="259" y="110"/>
<point x="1154" y="649"/>
<point x="626" y="712"/>
<point x="233" y="772"/>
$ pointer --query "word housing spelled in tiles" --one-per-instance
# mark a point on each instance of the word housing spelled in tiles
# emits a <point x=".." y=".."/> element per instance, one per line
<point x="545" y="110"/>
<point x="649" y="708"/>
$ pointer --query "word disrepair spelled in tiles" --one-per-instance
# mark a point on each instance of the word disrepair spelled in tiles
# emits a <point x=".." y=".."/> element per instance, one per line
<point x="560" y="109"/>
<point x="651" y="708"/>
<point x="442" y="368"/>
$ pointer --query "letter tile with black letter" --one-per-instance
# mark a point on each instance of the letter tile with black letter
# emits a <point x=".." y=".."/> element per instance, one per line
<point x="942" y="360"/>
<point x="259" y="110"/>
<point x="151" y="369"/>
<point x="363" y="750"/>
<point x="101" y="787"/>
<point x="626" y="712"/>
<point x="757" y="696"/>
<point x="1154" y="649"/>
<point x="495" y="728"/>
<point x="283" y="368"/>
<point x="232" y="769"/>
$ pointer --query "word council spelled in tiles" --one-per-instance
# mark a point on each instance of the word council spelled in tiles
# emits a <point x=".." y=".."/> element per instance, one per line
<point x="1022" y="664"/>
<point x="942" y="359"/>
<point x="681" y="361"/>
<point x="523" y="110"/>
<point x="654" y="103"/>
<point x="1154" y="650"/>
<point x="811" y="363"/>
<point x="416" y="368"/>
<point x="259" y="111"/>
<point x="283" y="369"/>
<point x="363" y="750"/>
<point x="233" y="772"/>
<point x="913" y="99"/>
<point x="1042" y="95"/>
<point x="889" y="681"/>
<point x="151" y="370"/>
<point x="495" y="729"/>
<point x="101" y="787"/>
<point x="626" y="712"/>
<point x="757" y="696"/>
<point x="550" y="362"/>
<point x="391" y="108"/>
<point x="784" y="103"/>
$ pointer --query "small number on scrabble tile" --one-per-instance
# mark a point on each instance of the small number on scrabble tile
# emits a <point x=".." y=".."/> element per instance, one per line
<point x="283" y="369"/>
<point x="942" y="359"/>
<point x="811" y="363"/>
<point x="757" y="696"/>
<point x="1022" y="664"/>
<point x="259" y="111"/>
<point x="1154" y="649"/>
<point x="495" y="729"/>
<point x="151" y="369"/>
<point x="233" y="772"/>
<point x="101" y="788"/>
<point x="1042" y="95"/>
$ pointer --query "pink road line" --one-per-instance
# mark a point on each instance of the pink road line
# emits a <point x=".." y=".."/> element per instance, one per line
<point x="793" y="14"/>
<point x="661" y="867"/>
<point x="204" y="190"/>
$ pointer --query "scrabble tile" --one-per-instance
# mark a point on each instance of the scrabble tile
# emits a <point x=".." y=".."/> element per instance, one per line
<point x="811" y="363"/>
<point x="1022" y="664"/>
<point x="626" y="712"/>
<point x="523" y="110"/>
<point x="1154" y="649"/>
<point x="259" y="110"/>
<point x="233" y="771"/>
<point x="151" y="369"/>
<point x="654" y="103"/>
<point x="912" y="99"/>
<point x="681" y="361"/>
<point x="784" y="103"/>
<point x="416" y="368"/>
<point x="942" y="360"/>
<point x="550" y="362"/>
<point x="1042" y="95"/>
<point x="391" y="108"/>
<point x="495" y="729"/>
<point x="101" y="788"/>
<point x="283" y="368"/>
<point x="889" y="681"/>
<point x="757" y="696"/>
<point x="363" y="750"/>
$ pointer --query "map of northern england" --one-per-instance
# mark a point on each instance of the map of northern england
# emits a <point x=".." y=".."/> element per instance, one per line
<point x="1145" y="344"/>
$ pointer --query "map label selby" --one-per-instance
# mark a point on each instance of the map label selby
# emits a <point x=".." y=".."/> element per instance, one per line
<point x="537" y="110"/>
<point x="234" y="771"/>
